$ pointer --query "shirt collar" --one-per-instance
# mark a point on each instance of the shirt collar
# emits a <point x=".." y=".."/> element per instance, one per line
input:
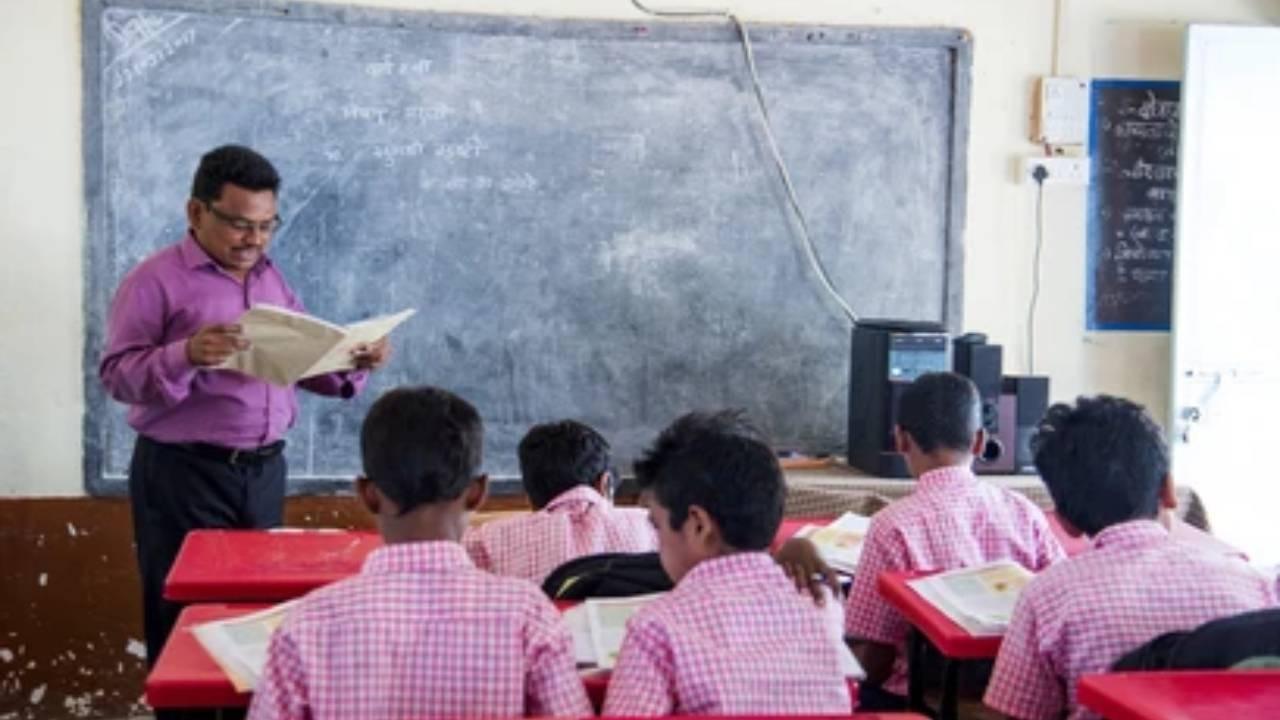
<point x="578" y="495"/>
<point x="733" y="565"/>
<point x="416" y="557"/>
<point x="1131" y="535"/>
<point x="939" y="478"/>
<point x="194" y="256"/>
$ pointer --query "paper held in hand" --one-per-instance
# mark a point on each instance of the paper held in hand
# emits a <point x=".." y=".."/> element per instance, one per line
<point x="239" y="645"/>
<point x="979" y="599"/>
<point x="288" y="346"/>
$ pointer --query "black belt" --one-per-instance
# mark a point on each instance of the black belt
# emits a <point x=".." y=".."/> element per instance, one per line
<point x="234" y="456"/>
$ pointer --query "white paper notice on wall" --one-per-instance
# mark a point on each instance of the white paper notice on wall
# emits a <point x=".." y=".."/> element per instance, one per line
<point x="1062" y="112"/>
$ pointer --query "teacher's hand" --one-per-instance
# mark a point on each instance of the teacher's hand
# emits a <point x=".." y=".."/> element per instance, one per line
<point x="215" y="343"/>
<point x="373" y="355"/>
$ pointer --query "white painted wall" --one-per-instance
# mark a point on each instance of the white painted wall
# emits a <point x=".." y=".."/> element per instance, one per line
<point x="41" y="205"/>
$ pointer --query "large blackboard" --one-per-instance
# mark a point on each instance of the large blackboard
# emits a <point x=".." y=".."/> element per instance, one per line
<point x="1132" y="201"/>
<point x="583" y="213"/>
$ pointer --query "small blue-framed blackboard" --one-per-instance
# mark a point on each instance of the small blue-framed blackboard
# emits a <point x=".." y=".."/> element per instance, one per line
<point x="1133" y="144"/>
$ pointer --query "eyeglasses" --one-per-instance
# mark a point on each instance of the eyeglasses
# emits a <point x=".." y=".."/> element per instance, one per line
<point x="244" y="225"/>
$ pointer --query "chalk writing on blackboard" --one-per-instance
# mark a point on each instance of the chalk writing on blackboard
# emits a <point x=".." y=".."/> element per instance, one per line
<point x="1132" y="204"/>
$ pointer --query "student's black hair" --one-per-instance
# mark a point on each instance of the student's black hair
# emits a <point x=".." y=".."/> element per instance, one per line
<point x="234" y="164"/>
<point x="722" y="463"/>
<point x="558" y="456"/>
<point x="421" y="445"/>
<point x="940" y="411"/>
<point x="1104" y="461"/>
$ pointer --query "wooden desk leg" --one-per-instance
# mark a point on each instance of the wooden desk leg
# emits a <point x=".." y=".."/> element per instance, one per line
<point x="915" y="671"/>
<point x="949" y="709"/>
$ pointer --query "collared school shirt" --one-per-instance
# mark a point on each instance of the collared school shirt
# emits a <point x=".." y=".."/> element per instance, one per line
<point x="1080" y="616"/>
<point x="421" y="633"/>
<point x="577" y="522"/>
<point x="951" y="520"/>
<point x="733" y="637"/>
<point x="161" y="303"/>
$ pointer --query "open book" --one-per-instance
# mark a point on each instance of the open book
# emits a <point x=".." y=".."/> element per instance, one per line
<point x="979" y="599"/>
<point x="239" y="645"/>
<point x="839" y="543"/>
<point x="598" y="626"/>
<point x="288" y="346"/>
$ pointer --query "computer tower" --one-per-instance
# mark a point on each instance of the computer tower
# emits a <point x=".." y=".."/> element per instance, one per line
<point x="886" y="356"/>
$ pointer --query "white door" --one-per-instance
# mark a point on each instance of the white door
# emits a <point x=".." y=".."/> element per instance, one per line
<point x="1225" y="407"/>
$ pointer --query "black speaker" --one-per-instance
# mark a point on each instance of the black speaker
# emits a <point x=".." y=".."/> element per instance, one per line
<point x="887" y="355"/>
<point x="1030" y="395"/>
<point x="983" y="363"/>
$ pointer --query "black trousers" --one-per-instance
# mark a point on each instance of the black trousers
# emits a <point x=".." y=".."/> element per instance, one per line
<point x="173" y="490"/>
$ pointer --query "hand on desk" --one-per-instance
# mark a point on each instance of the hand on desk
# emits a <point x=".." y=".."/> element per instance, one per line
<point x="799" y="558"/>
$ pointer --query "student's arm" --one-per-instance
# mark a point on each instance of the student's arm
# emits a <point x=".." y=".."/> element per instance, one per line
<point x="281" y="693"/>
<point x="875" y="658"/>
<point x="1023" y="683"/>
<point x="553" y="687"/>
<point x="137" y="366"/>
<point x="873" y="626"/>
<point x="800" y="559"/>
<point x="643" y="680"/>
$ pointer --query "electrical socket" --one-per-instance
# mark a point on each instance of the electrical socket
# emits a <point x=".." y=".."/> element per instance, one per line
<point x="1062" y="170"/>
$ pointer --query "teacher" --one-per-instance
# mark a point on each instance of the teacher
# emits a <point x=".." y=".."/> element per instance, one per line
<point x="209" y="452"/>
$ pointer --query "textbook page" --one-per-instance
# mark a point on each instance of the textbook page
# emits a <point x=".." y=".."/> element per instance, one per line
<point x="239" y="645"/>
<point x="287" y="346"/>
<point x="584" y="651"/>
<point x="979" y="599"/>
<point x="840" y="543"/>
<point x="608" y="622"/>
<point x="833" y="620"/>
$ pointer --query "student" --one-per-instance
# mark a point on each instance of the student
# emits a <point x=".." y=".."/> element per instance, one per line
<point x="951" y="520"/>
<point x="1107" y="467"/>
<point x="734" y="636"/>
<point x="420" y="632"/>
<point x="565" y="470"/>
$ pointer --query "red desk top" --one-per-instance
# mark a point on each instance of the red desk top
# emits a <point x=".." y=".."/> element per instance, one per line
<point x="264" y="565"/>
<point x="1183" y="695"/>
<point x="950" y="639"/>
<point x="185" y="676"/>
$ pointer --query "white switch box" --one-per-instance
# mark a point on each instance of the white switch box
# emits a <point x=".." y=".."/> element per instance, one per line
<point x="1062" y="112"/>
<point x="1061" y="170"/>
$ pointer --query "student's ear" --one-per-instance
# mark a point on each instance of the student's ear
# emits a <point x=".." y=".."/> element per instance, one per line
<point x="700" y="527"/>
<point x="473" y="497"/>
<point x="979" y="443"/>
<point x="901" y="440"/>
<point x="368" y="494"/>
<point x="1168" y="496"/>
<point x="603" y="484"/>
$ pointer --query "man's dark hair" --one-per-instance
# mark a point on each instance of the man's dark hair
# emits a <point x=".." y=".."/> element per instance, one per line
<point x="234" y="164"/>
<point x="1104" y="461"/>
<point x="722" y="463"/>
<point x="421" y="445"/>
<point x="558" y="456"/>
<point x="940" y="411"/>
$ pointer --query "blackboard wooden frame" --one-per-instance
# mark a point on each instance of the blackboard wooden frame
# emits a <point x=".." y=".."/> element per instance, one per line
<point x="97" y="296"/>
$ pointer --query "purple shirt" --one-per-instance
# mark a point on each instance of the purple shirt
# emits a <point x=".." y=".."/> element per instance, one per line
<point x="161" y="303"/>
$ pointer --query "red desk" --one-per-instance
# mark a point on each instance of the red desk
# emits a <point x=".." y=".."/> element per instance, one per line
<point x="791" y="526"/>
<point x="952" y="641"/>
<point x="264" y="565"/>
<point x="1183" y="695"/>
<point x="186" y="677"/>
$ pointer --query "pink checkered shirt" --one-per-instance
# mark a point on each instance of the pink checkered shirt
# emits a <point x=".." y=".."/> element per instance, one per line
<point x="1081" y="615"/>
<point x="577" y="522"/>
<point x="420" y="633"/>
<point x="733" y="637"/>
<point x="951" y="520"/>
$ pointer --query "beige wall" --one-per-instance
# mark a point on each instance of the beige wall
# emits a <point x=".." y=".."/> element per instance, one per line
<point x="41" y="206"/>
